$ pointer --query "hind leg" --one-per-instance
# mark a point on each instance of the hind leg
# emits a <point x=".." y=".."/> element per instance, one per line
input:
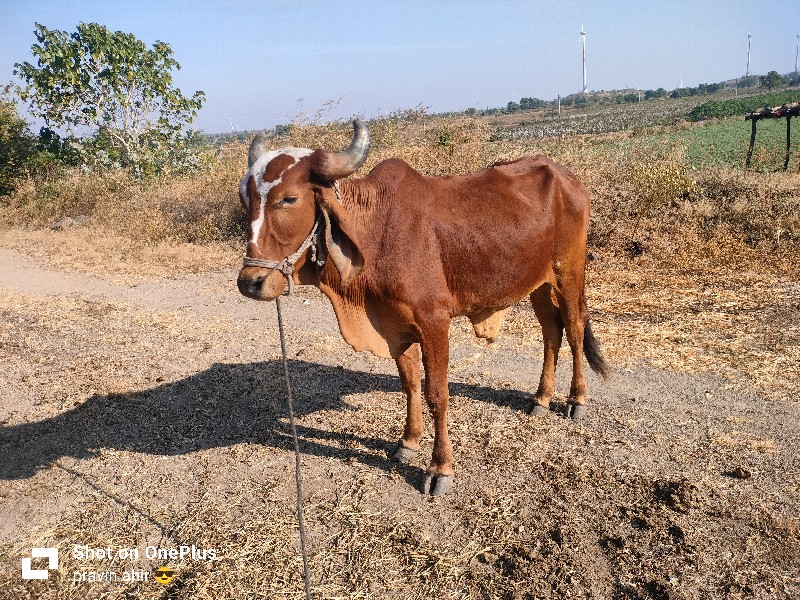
<point x="574" y="315"/>
<point x="552" y="332"/>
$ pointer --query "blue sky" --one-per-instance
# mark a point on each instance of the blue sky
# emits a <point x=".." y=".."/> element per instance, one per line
<point x="256" y="60"/>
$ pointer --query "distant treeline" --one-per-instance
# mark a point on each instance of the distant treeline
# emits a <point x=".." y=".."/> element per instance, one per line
<point x="220" y="139"/>
<point x="597" y="98"/>
<point x="768" y="81"/>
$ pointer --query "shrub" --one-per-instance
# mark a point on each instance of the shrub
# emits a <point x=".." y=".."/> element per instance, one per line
<point x="17" y="146"/>
<point x="115" y="87"/>
<point x="716" y="109"/>
<point x="656" y="184"/>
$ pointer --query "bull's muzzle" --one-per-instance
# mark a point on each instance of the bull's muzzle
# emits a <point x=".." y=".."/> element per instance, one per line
<point x="260" y="283"/>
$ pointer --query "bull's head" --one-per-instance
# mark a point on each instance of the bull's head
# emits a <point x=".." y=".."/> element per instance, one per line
<point x="289" y="202"/>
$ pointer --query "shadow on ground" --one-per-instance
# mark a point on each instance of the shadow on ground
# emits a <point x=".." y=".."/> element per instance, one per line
<point x="224" y="405"/>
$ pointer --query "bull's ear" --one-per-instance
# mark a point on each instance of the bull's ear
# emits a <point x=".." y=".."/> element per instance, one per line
<point x="339" y="243"/>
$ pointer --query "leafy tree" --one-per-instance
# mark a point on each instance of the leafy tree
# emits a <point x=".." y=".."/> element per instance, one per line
<point x="52" y="148"/>
<point x="771" y="80"/>
<point x="709" y="88"/>
<point x="532" y="104"/>
<point x="680" y="93"/>
<point x="659" y="93"/>
<point x="628" y="98"/>
<point x="17" y="145"/>
<point x="115" y="92"/>
<point x="748" y="81"/>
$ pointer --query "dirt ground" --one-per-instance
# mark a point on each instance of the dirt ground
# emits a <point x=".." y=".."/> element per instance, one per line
<point x="143" y="408"/>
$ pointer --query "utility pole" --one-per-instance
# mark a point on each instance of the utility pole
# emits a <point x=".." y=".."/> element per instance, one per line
<point x="796" y="53"/>
<point x="583" y="40"/>
<point x="747" y="74"/>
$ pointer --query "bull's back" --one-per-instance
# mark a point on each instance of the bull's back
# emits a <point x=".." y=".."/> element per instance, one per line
<point x="500" y="230"/>
<point x="484" y="239"/>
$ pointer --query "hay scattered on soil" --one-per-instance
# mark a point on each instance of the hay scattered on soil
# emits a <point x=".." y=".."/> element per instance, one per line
<point x="127" y="425"/>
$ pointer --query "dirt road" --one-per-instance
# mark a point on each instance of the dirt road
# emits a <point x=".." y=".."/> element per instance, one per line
<point x="151" y="414"/>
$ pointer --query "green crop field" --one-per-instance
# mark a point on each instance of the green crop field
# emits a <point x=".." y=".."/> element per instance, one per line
<point x="724" y="144"/>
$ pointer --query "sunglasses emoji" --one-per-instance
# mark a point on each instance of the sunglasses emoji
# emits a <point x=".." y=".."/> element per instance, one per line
<point x="164" y="575"/>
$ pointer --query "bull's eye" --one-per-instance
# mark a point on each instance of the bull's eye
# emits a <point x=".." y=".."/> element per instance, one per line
<point x="288" y="201"/>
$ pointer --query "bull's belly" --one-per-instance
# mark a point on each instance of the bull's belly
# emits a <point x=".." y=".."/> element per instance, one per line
<point x="493" y="294"/>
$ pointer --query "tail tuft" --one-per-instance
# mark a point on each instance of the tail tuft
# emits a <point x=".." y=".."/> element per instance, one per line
<point x="591" y="348"/>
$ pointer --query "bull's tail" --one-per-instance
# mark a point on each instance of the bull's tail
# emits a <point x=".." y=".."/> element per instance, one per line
<point x="591" y="349"/>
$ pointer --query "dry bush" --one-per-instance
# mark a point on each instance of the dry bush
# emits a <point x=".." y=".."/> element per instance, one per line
<point x="645" y="198"/>
<point x="434" y="146"/>
<point x="656" y="184"/>
<point x="40" y="202"/>
<point x="199" y="208"/>
<point x="761" y="208"/>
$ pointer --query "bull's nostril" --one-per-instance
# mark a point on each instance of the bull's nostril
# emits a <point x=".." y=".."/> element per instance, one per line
<point x="249" y="287"/>
<point x="255" y="284"/>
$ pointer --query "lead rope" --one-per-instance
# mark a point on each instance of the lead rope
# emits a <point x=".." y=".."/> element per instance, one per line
<point x="286" y="266"/>
<point x="297" y="473"/>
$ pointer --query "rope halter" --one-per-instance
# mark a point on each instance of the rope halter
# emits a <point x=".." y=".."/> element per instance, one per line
<point x="286" y="266"/>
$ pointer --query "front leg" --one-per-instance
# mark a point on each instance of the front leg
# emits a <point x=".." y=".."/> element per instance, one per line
<point x="408" y="368"/>
<point x="435" y="358"/>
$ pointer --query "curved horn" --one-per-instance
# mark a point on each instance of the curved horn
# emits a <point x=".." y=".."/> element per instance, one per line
<point x="336" y="165"/>
<point x="257" y="148"/>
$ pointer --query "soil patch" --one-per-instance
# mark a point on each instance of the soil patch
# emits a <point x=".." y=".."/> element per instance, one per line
<point x="151" y="412"/>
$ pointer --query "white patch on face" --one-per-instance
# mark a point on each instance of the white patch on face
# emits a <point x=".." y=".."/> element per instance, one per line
<point x="263" y="187"/>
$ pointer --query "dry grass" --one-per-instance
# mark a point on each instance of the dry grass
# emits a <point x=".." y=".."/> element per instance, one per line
<point x="692" y="272"/>
<point x="698" y="267"/>
<point x="201" y="208"/>
<point x="88" y="249"/>
<point x="127" y="450"/>
<point x="738" y="324"/>
<point x="645" y="197"/>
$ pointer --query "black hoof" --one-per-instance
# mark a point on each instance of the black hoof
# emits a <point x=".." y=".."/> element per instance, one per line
<point x="437" y="485"/>
<point x="576" y="411"/>
<point x="536" y="410"/>
<point x="402" y="454"/>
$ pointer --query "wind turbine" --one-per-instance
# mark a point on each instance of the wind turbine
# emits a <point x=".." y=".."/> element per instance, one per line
<point x="748" y="55"/>
<point x="583" y="40"/>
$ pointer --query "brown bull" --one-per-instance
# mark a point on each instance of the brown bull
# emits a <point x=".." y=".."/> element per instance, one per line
<point x="400" y="254"/>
